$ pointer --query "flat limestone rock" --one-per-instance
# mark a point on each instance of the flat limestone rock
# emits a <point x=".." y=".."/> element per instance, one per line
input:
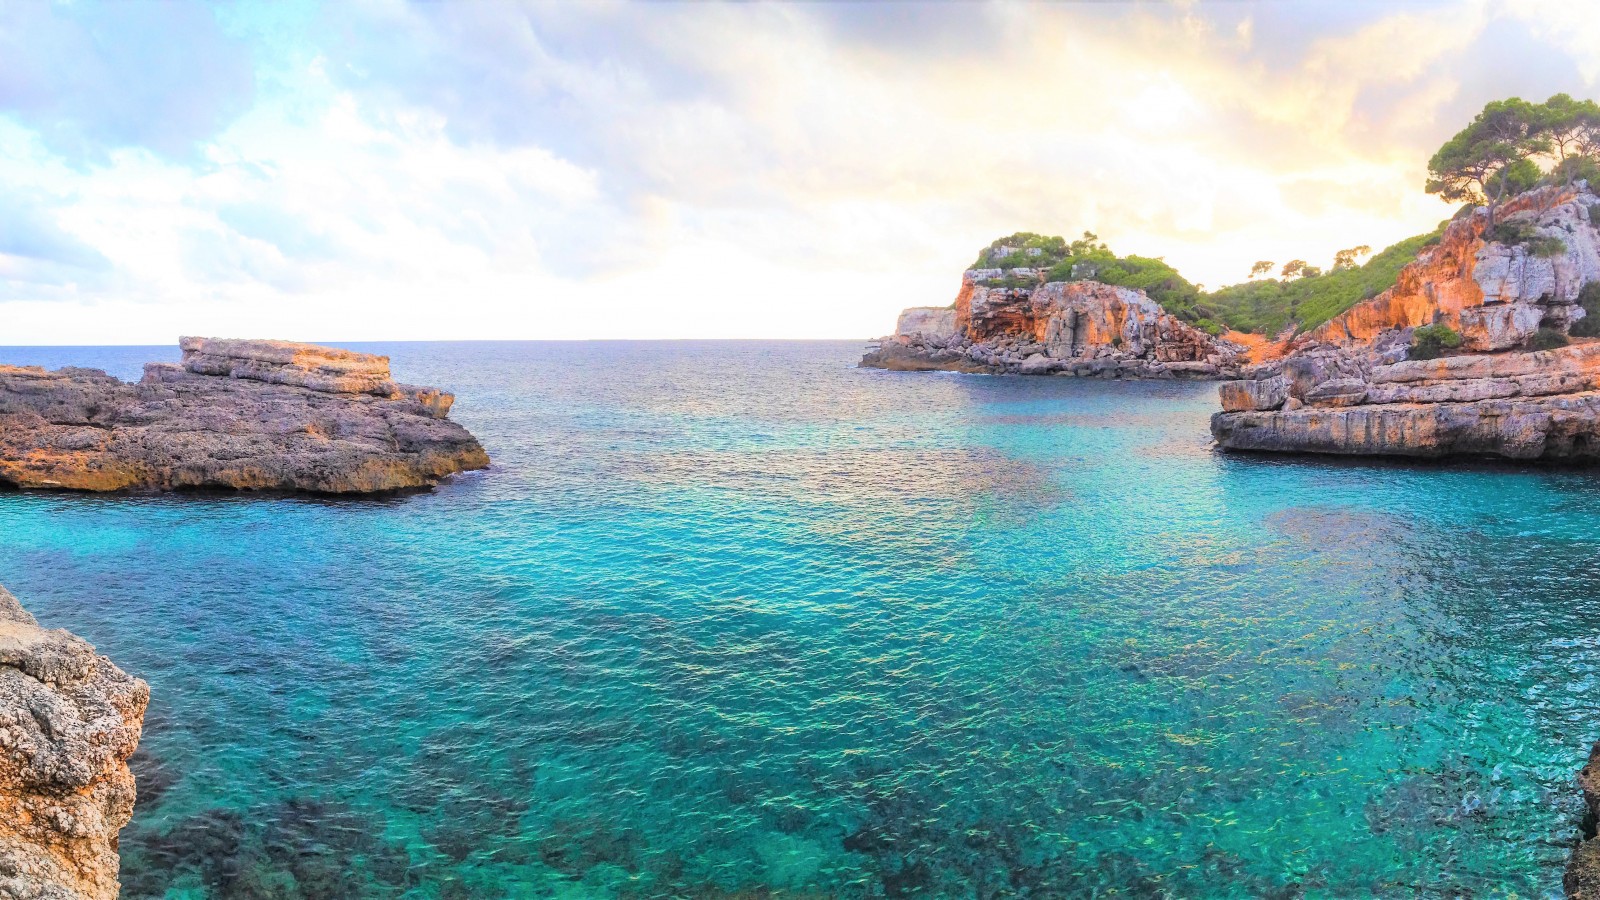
<point x="243" y="415"/>
<point x="69" y="720"/>
<point x="327" y="369"/>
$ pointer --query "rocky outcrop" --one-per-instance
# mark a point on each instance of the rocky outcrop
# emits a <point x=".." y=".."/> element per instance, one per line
<point x="69" y="720"/>
<point x="1080" y="328"/>
<point x="1582" y="879"/>
<point x="244" y="415"/>
<point x="1349" y="387"/>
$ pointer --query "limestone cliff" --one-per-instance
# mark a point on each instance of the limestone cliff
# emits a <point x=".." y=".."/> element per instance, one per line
<point x="1350" y="386"/>
<point x="246" y="415"/>
<point x="69" y="720"/>
<point x="1006" y="321"/>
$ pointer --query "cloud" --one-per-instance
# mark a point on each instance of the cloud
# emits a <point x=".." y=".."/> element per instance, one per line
<point x="565" y="170"/>
<point x="95" y="77"/>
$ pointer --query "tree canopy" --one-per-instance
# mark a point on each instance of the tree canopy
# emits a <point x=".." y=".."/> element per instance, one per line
<point x="1499" y="153"/>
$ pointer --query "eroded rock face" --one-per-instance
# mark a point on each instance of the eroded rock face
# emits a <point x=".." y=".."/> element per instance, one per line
<point x="244" y="415"/>
<point x="1080" y="328"/>
<point x="69" y="720"/>
<point x="1349" y="388"/>
<point x="1496" y="294"/>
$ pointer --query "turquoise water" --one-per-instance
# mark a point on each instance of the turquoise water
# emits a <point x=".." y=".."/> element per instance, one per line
<point x="740" y="620"/>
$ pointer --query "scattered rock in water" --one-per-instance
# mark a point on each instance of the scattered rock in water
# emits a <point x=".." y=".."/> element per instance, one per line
<point x="241" y="415"/>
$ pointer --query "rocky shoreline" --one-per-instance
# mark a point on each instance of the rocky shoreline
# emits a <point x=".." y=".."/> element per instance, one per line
<point x="236" y="415"/>
<point x="1355" y="386"/>
<point x="69" y="720"/>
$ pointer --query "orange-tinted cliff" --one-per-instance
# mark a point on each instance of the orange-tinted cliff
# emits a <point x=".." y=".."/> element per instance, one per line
<point x="1351" y="387"/>
<point x="1062" y="327"/>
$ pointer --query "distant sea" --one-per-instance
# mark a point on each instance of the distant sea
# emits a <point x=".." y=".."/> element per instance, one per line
<point x="736" y="619"/>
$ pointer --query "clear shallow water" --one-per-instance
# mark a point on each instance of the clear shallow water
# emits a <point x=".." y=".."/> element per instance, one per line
<point x="737" y="619"/>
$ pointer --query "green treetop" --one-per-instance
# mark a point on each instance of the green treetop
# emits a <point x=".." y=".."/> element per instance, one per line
<point x="1482" y="163"/>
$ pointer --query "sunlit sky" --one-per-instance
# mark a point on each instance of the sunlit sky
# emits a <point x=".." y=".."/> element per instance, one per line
<point x="383" y="171"/>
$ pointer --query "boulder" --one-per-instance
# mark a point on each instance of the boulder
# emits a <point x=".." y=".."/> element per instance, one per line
<point x="1264" y="393"/>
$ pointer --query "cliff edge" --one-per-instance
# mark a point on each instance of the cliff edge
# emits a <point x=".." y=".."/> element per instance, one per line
<point x="69" y="720"/>
<point x="243" y="415"/>
<point x="1516" y="385"/>
<point x="1008" y="321"/>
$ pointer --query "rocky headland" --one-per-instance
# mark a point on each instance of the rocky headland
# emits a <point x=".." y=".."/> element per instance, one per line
<point x="1516" y="386"/>
<point x="234" y="414"/>
<point x="69" y="720"/>
<point x="1012" y="321"/>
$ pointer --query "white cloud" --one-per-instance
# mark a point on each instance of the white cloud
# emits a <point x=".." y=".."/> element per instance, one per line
<point x="510" y="171"/>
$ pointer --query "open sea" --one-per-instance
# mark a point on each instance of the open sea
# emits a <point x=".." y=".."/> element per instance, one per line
<point x="737" y="619"/>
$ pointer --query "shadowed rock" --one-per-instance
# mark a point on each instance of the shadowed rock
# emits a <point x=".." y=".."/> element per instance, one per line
<point x="69" y="720"/>
<point x="247" y="415"/>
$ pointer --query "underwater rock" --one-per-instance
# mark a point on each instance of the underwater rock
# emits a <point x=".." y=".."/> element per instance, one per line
<point x="69" y="720"/>
<point x="243" y="415"/>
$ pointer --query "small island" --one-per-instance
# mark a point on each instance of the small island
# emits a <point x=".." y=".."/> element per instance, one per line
<point x="234" y="415"/>
<point x="1037" y="305"/>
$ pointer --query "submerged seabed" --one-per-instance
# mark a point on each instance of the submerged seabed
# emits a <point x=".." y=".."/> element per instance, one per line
<point x="737" y="619"/>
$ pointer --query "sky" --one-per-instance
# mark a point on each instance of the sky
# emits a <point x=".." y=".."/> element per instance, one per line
<point x="512" y="170"/>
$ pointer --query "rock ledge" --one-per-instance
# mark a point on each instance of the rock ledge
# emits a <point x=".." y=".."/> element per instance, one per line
<point x="242" y="415"/>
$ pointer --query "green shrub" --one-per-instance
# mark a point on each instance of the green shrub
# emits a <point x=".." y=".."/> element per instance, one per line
<point x="1546" y="246"/>
<point x="1268" y="305"/>
<point x="1548" y="339"/>
<point x="1431" y="341"/>
<point x="1589" y="325"/>
<point x="1527" y="235"/>
<point x="1513" y="233"/>
<point x="1594" y="212"/>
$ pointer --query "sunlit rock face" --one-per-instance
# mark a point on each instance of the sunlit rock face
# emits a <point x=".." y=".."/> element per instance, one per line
<point x="1496" y="294"/>
<point x="1349" y="387"/>
<point x="242" y="415"/>
<point x="69" y="720"/>
<point x="1059" y="328"/>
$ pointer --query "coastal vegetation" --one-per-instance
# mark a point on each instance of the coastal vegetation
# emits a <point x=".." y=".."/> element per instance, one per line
<point x="1512" y="146"/>
<point x="1431" y="341"/>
